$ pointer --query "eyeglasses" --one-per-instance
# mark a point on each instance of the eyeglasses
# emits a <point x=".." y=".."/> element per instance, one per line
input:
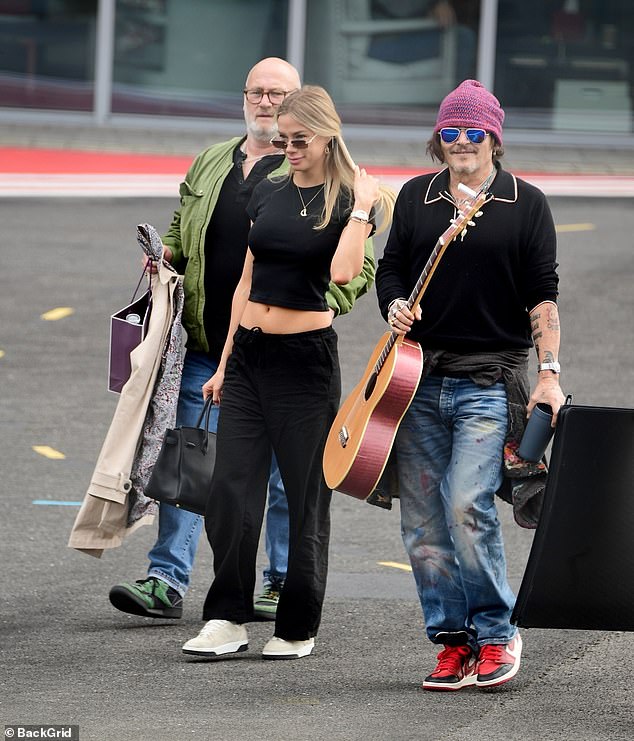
<point x="275" y="96"/>
<point x="450" y="134"/>
<point x="295" y="143"/>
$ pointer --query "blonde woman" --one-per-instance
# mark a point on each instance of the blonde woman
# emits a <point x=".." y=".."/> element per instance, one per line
<point x="278" y="380"/>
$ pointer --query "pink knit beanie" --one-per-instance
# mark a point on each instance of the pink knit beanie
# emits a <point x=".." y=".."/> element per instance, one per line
<point x="471" y="104"/>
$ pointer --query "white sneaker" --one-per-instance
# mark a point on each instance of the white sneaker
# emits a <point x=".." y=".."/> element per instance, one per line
<point x="278" y="648"/>
<point x="218" y="637"/>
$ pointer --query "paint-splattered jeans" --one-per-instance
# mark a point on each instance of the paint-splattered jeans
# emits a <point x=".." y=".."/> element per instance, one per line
<point x="449" y="451"/>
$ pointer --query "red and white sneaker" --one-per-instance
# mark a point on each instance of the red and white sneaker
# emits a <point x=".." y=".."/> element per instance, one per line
<point x="497" y="663"/>
<point x="456" y="669"/>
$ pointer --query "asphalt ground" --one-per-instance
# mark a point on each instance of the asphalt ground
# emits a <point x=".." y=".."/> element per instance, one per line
<point x="70" y="658"/>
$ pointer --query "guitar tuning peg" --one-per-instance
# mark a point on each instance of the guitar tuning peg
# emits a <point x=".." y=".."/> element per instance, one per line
<point x="478" y="214"/>
<point x="463" y="234"/>
<point x="470" y="223"/>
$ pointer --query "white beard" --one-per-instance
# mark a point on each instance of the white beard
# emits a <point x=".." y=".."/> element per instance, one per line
<point x="261" y="133"/>
<point x="465" y="169"/>
<point x="258" y="132"/>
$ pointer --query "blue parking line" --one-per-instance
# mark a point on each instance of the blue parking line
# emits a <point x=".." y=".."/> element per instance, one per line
<point x="59" y="503"/>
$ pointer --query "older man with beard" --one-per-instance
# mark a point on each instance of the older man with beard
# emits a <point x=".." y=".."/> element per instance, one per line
<point x="207" y="241"/>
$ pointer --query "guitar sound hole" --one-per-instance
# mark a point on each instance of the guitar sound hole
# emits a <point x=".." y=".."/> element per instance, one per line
<point x="370" y="386"/>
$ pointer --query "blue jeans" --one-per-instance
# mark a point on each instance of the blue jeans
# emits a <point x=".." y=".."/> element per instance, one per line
<point x="173" y="553"/>
<point x="449" y="451"/>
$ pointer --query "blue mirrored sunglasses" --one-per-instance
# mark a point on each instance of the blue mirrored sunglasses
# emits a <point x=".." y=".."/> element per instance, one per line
<point x="450" y="134"/>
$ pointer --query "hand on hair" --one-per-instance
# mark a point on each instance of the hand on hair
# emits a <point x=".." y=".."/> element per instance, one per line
<point x="366" y="189"/>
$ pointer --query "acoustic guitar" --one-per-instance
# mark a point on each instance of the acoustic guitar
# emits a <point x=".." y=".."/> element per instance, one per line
<point x="362" y="435"/>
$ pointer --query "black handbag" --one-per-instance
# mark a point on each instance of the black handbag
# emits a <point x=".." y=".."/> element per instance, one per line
<point x="182" y="473"/>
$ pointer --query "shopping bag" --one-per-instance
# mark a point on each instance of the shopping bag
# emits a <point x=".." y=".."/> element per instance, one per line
<point x="182" y="473"/>
<point x="128" y="328"/>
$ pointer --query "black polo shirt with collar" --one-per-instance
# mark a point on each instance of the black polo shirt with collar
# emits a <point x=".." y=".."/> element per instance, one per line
<point x="484" y="285"/>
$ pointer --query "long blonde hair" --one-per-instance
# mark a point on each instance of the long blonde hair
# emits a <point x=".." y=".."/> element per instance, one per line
<point x="312" y="107"/>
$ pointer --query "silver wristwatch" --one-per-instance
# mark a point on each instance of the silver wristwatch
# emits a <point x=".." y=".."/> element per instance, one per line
<point x="360" y="215"/>
<point x="554" y="367"/>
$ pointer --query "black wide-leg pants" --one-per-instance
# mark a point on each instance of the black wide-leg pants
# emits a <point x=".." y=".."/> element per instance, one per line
<point x="281" y="392"/>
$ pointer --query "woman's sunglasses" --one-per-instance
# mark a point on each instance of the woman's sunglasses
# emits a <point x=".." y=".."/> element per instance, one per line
<point x="450" y="134"/>
<point x="295" y="143"/>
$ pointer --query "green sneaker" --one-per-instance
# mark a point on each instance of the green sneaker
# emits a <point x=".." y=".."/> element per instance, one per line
<point x="150" y="597"/>
<point x="265" y="606"/>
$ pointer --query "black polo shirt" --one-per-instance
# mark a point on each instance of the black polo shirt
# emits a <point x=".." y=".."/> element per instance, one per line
<point x="480" y="294"/>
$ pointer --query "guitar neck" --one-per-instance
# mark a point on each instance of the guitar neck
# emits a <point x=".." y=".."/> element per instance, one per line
<point x="423" y="281"/>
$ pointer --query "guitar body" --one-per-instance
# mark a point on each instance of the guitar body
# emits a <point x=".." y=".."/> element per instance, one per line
<point x="362" y="435"/>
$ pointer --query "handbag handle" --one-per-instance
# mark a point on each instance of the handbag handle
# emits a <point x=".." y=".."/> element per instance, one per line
<point x="204" y="416"/>
<point x="139" y="283"/>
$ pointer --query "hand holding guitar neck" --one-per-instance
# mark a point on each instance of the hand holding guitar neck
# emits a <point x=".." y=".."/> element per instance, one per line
<point x="400" y="318"/>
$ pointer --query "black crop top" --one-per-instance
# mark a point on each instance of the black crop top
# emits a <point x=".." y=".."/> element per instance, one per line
<point x="291" y="265"/>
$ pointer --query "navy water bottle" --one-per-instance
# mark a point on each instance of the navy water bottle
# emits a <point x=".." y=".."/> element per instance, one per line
<point x="537" y="434"/>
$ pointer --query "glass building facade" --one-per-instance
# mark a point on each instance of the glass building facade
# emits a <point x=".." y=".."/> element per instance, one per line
<point x="556" y="65"/>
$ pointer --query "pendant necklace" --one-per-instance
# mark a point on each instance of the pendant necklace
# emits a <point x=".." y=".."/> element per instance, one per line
<point x="303" y="212"/>
<point x="484" y="185"/>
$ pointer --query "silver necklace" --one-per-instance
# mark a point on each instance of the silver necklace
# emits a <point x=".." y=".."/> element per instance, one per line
<point x="304" y="212"/>
<point x="487" y="181"/>
<point x="255" y="158"/>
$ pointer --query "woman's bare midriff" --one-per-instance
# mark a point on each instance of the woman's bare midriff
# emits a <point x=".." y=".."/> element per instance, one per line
<point x="280" y="320"/>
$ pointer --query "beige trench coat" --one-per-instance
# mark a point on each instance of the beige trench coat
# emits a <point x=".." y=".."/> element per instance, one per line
<point x="102" y="520"/>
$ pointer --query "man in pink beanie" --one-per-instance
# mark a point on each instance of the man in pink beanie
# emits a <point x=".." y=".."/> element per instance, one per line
<point x="491" y="298"/>
<point x="471" y="104"/>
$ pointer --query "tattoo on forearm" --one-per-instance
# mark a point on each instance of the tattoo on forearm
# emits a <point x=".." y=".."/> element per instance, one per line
<point x="552" y="318"/>
<point x="535" y="330"/>
<point x="534" y="318"/>
<point x="552" y="325"/>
